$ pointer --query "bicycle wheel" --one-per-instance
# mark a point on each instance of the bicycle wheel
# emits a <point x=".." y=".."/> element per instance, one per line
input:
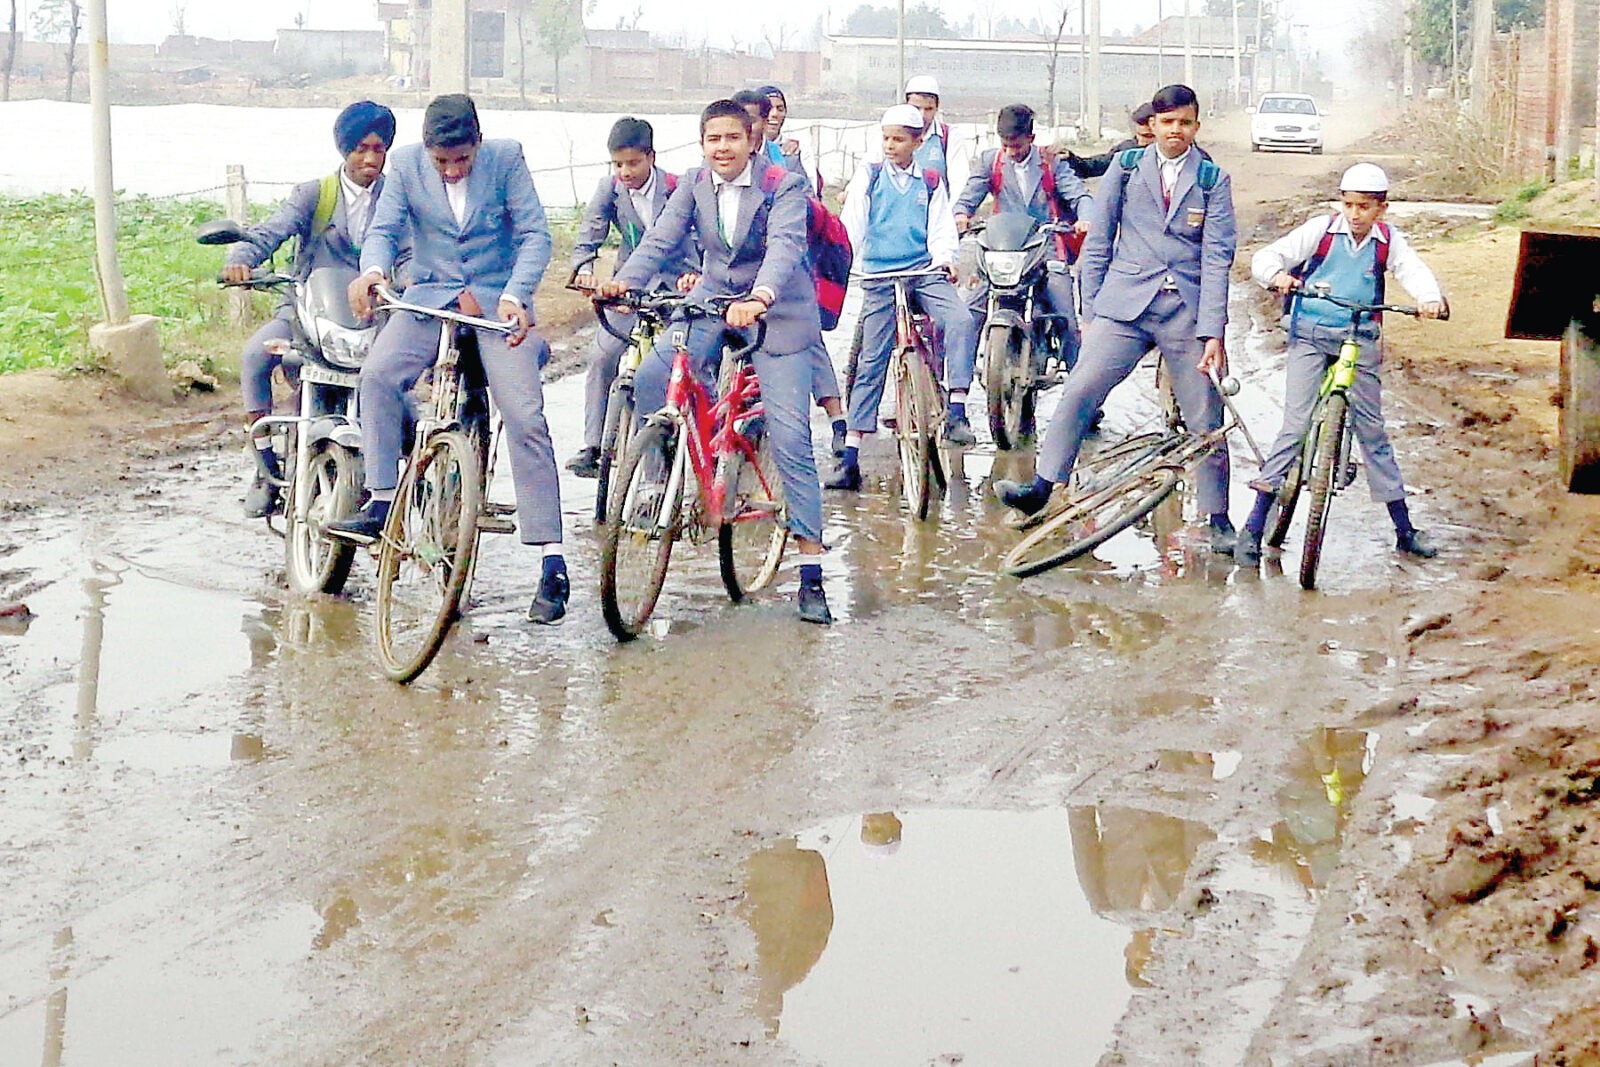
<point x="1080" y="529"/>
<point x="641" y="525"/>
<point x="428" y="544"/>
<point x="753" y="533"/>
<point x="1281" y="512"/>
<point x="911" y="432"/>
<point x="613" y="443"/>
<point x="1324" y="466"/>
<point x="1005" y="384"/>
<point x="314" y="562"/>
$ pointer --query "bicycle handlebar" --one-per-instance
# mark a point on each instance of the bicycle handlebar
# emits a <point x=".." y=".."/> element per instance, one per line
<point x="390" y="299"/>
<point x="1318" y="293"/>
<point x="260" y="280"/>
<point x="665" y="305"/>
<point x="887" y="275"/>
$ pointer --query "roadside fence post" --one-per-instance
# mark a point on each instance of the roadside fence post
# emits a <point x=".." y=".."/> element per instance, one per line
<point x="238" y="211"/>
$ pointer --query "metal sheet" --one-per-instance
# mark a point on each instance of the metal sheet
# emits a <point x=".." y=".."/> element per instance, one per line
<point x="1558" y="280"/>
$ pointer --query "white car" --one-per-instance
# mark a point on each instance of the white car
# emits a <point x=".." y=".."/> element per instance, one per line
<point x="1286" y="120"/>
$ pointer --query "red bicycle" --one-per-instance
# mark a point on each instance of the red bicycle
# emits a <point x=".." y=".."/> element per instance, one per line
<point x="720" y="442"/>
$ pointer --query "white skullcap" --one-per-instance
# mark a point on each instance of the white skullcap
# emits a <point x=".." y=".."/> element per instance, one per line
<point x="1364" y="178"/>
<point x="903" y="115"/>
<point x="922" y="83"/>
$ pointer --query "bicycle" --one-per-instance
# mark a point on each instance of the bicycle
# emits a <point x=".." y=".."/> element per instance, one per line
<point x="1326" y="464"/>
<point x="1118" y="486"/>
<point x="429" y="542"/>
<point x="651" y="315"/>
<point x="919" y="399"/>
<point x="719" y="443"/>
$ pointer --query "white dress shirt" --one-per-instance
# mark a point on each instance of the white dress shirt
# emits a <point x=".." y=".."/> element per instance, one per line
<point x="456" y="193"/>
<point x="357" y="207"/>
<point x="728" y="202"/>
<point x="644" y="200"/>
<point x="1027" y="181"/>
<point x="943" y="241"/>
<point x="1300" y="244"/>
<point x="1170" y="169"/>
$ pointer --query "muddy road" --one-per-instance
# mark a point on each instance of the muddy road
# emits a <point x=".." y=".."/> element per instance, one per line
<point x="1143" y="810"/>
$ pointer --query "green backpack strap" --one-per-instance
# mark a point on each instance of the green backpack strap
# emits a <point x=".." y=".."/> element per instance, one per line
<point x="1208" y="175"/>
<point x="327" y="200"/>
<point x="1130" y="158"/>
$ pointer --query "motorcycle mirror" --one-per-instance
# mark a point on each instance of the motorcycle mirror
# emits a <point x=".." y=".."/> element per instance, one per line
<point x="219" y="232"/>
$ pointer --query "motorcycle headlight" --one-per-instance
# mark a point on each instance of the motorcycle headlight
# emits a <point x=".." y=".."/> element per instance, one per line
<point x="1005" y="268"/>
<point x="345" y="348"/>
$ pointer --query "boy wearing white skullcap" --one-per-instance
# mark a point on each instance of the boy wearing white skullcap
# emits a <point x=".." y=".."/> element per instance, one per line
<point x="922" y="93"/>
<point x="899" y="219"/>
<point x="1352" y="252"/>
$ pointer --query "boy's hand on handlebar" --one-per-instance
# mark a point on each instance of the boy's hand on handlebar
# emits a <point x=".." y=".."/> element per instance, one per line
<point x="1432" y="310"/>
<point x="688" y="281"/>
<point x="745" y="313"/>
<point x="1215" y="359"/>
<point x="511" y="311"/>
<point x="1081" y="226"/>
<point x="611" y="289"/>
<point x="360" y="293"/>
<point x="962" y="222"/>
<point x="235" y="273"/>
<point x="584" y="279"/>
<point x="1285" y="282"/>
<point x="949" y="272"/>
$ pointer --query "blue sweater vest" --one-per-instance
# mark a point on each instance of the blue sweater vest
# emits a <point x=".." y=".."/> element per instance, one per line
<point x="931" y="154"/>
<point x="1351" y="275"/>
<point x="897" y="226"/>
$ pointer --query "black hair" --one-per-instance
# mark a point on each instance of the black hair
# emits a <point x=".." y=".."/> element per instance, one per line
<point x="746" y="97"/>
<point x="1015" y="120"/>
<point x="770" y="91"/>
<point x="450" y="122"/>
<point x="1174" y="98"/>
<point x="1143" y="114"/>
<point x="629" y="132"/>
<point x="725" y="109"/>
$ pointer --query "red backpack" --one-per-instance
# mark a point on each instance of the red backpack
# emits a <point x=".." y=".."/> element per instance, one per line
<point x="1068" y="245"/>
<point x="827" y="244"/>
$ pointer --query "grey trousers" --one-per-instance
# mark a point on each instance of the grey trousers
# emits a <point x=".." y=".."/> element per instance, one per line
<point x="824" y="381"/>
<point x="256" y="364"/>
<point x="1308" y="360"/>
<point x="408" y="345"/>
<point x="1111" y="350"/>
<point x="786" y="384"/>
<point x="603" y="363"/>
<point x="939" y="299"/>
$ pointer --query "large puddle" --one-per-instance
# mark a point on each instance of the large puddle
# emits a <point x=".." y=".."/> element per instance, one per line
<point x="1018" y="938"/>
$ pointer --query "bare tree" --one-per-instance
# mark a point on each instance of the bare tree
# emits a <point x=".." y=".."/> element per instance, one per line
<point x="986" y="12"/>
<point x="11" y="54"/>
<point x="776" y="36"/>
<point x="1063" y="9"/>
<point x="57" y="19"/>
<point x="180" y="19"/>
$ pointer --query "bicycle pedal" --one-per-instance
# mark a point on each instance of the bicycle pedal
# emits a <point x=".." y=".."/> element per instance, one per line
<point x="496" y="524"/>
<point x="495" y="507"/>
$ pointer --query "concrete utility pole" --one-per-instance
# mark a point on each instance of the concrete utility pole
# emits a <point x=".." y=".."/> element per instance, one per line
<point x="130" y="346"/>
<point x="900" y="40"/>
<point x="1090" y="130"/>
<point x="1188" y="46"/>
<point x="1237" y="93"/>
<point x="450" y="31"/>
<point x="1161" y="43"/>
<point x="1482" y="44"/>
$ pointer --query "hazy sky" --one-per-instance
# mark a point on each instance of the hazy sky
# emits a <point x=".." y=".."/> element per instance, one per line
<point x="151" y="20"/>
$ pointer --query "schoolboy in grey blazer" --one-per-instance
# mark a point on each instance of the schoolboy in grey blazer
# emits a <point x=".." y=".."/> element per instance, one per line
<point x="1154" y="272"/>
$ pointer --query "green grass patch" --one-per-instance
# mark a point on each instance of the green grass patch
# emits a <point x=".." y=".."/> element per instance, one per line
<point x="49" y="295"/>
<point x="1514" y="208"/>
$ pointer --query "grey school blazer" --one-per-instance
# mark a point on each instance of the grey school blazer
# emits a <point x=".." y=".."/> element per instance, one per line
<point x="1135" y="243"/>
<point x="767" y="248"/>
<point x="612" y="206"/>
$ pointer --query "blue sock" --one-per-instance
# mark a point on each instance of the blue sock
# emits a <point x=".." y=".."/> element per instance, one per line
<point x="1400" y="514"/>
<point x="838" y="426"/>
<point x="1257" y="522"/>
<point x="554" y="565"/>
<point x="810" y="574"/>
<point x="379" y="508"/>
<point x="852" y="456"/>
<point x="1041" y="486"/>
<point x="1220" y="521"/>
<point x="958" y="409"/>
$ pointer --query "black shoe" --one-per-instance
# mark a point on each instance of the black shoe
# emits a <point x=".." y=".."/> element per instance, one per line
<point x="262" y="498"/>
<point x="838" y="442"/>
<point x="958" y="431"/>
<point x="1095" y="422"/>
<point x="550" y="602"/>
<point x="586" y="464"/>
<point x="845" y="477"/>
<point x="1021" y="497"/>
<point x="1247" y="549"/>
<point x="1225" y="539"/>
<point x="814" y="604"/>
<point x="362" y="527"/>
<point x="1415" y="543"/>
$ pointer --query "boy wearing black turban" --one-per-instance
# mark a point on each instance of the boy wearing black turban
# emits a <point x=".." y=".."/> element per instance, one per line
<point x="328" y="218"/>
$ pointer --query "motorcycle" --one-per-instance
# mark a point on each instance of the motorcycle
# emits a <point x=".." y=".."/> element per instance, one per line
<point x="1024" y="350"/>
<point x="322" y="475"/>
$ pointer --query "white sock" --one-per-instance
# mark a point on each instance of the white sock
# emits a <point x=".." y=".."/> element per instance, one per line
<point x="386" y="495"/>
<point x="958" y="396"/>
<point x="551" y="549"/>
<point x="853" y="438"/>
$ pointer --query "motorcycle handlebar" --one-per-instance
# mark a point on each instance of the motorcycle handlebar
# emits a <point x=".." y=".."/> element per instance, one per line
<point x="257" y="280"/>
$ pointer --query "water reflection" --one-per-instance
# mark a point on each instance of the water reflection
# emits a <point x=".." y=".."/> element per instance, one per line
<point x="1000" y="937"/>
<point x="1323" y="776"/>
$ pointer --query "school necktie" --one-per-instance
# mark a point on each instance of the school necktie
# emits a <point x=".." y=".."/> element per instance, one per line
<point x="722" y="227"/>
<point x="469" y="304"/>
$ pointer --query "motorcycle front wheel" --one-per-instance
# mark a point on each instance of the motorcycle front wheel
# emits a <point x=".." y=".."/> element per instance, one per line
<point x="314" y="562"/>
<point x="1008" y="386"/>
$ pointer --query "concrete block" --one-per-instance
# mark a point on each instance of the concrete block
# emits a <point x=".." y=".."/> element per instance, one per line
<point x="132" y="352"/>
